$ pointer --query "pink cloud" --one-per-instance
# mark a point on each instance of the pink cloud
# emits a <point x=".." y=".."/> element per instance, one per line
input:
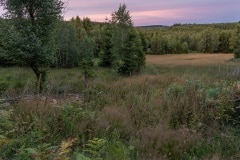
<point x="93" y="17"/>
<point x="158" y="13"/>
<point x="170" y="13"/>
<point x="164" y="12"/>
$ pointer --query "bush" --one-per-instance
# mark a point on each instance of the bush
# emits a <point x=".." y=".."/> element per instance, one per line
<point x="185" y="104"/>
<point x="3" y="86"/>
<point x="193" y="104"/>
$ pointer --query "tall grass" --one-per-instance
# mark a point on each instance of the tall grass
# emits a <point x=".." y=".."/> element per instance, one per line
<point x="167" y="112"/>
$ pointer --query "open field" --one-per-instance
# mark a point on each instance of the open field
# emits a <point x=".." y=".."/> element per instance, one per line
<point x="179" y="107"/>
<point x="189" y="59"/>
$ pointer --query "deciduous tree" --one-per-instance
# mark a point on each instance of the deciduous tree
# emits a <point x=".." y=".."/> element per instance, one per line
<point x="237" y="43"/>
<point x="66" y="43"/>
<point x="33" y="22"/>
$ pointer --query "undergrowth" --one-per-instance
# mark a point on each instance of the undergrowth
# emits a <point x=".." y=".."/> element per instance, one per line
<point x="150" y="116"/>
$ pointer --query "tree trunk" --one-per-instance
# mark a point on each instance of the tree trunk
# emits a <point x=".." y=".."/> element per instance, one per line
<point x="41" y="78"/>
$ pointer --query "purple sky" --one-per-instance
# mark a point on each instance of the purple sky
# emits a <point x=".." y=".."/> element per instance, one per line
<point x="158" y="12"/>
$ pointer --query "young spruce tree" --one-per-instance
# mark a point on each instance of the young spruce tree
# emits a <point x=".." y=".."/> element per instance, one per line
<point x="134" y="57"/>
<point x="126" y="43"/>
<point x="86" y="56"/>
<point x="106" y="56"/>
<point x="236" y="47"/>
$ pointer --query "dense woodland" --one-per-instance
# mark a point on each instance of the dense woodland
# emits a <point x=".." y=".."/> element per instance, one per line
<point x="74" y="39"/>
<point x="78" y="39"/>
<point x="95" y="97"/>
<point x="68" y="40"/>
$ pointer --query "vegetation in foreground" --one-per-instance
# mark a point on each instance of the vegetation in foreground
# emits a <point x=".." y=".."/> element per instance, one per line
<point x="167" y="112"/>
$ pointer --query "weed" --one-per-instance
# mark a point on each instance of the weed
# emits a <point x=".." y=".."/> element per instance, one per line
<point x="168" y="112"/>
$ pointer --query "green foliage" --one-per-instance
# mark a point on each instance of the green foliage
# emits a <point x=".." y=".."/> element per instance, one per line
<point x="69" y="121"/>
<point x="78" y="25"/>
<point x="87" y="25"/>
<point x="136" y="117"/>
<point x="237" y="43"/>
<point x="209" y="42"/>
<point x="187" y="38"/>
<point x="86" y="56"/>
<point x="193" y="99"/>
<point x="119" y="151"/>
<point x="99" y="149"/>
<point x="26" y="153"/>
<point x="175" y="90"/>
<point x="106" y="55"/>
<point x="67" y="52"/>
<point x="95" y="148"/>
<point x="213" y="93"/>
<point x="4" y="85"/>
<point x="82" y="157"/>
<point x="122" y="17"/>
<point x="133" y="57"/>
<point x="139" y="117"/>
<point x="9" y="42"/>
<point x="189" y="104"/>
<point x="4" y="60"/>
<point x="127" y="47"/>
<point x="224" y="42"/>
<point x="32" y="24"/>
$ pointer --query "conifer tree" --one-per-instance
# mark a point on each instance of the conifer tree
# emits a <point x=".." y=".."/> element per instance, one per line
<point x="126" y="44"/>
<point x="86" y="56"/>
<point x="134" y="57"/>
<point x="237" y="43"/>
<point x="78" y="25"/>
<point x="106" y="56"/>
<point x="121" y="21"/>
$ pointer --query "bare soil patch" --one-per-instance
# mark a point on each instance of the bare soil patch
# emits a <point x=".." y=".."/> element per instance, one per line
<point x="188" y="59"/>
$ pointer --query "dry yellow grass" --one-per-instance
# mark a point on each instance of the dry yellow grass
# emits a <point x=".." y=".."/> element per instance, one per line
<point x="188" y="59"/>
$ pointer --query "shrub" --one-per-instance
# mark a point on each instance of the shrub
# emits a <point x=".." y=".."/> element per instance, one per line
<point x="3" y="86"/>
<point x="185" y="104"/>
<point x="194" y="105"/>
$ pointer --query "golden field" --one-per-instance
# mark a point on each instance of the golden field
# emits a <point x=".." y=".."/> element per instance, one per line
<point x="189" y="59"/>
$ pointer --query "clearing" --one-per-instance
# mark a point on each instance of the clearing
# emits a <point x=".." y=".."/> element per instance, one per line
<point x="189" y="59"/>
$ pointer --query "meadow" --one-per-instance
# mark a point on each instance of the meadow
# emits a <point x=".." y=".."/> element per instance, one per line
<point x="180" y="107"/>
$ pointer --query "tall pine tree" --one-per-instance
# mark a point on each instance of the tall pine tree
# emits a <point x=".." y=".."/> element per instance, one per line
<point x="107" y="58"/>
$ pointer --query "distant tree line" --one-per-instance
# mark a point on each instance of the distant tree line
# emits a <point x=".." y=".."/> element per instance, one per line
<point x="79" y="40"/>
<point x="190" y="38"/>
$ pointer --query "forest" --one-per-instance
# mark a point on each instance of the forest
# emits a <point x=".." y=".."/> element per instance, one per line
<point x="83" y="90"/>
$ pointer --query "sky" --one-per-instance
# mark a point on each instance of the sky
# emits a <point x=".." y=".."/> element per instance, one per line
<point x="157" y="12"/>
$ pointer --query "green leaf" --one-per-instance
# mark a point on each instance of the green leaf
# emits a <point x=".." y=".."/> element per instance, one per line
<point x="31" y="151"/>
<point x="82" y="157"/>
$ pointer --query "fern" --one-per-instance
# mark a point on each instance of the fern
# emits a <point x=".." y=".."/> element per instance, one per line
<point x="82" y="157"/>
<point x="4" y="140"/>
<point x="65" y="149"/>
<point x="95" y="148"/>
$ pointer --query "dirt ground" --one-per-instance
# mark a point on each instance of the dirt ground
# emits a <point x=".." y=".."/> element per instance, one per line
<point x="188" y="59"/>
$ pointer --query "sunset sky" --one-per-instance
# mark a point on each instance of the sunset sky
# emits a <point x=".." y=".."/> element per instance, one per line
<point x="158" y="12"/>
